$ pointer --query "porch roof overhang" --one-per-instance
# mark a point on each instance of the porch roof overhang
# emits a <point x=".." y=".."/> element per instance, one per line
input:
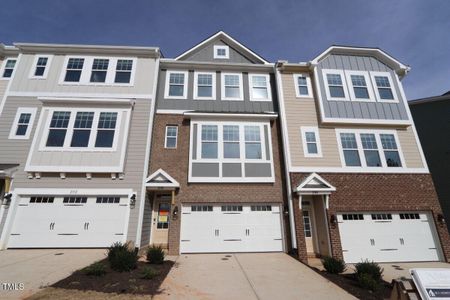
<point x="314" y="185"/>
<point x="160" y="180"/>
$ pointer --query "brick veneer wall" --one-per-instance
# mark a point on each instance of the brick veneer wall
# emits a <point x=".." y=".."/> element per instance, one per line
<point x="176" y="163"/>
<point x="374" y="192"/>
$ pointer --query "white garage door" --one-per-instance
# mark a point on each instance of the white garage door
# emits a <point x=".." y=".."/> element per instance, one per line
<point x="388" y="237"/>
<point x="60" y="222"/>
<point x="231" y="228"/>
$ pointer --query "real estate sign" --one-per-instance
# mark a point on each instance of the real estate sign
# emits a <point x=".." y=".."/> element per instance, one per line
<point x="432" y="283"/>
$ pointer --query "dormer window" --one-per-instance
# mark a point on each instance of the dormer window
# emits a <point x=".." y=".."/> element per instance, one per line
<point x="221" y="52"/>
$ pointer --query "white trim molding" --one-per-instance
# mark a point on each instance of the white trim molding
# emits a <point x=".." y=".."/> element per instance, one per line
<point x="314" y="184"/>
<point x="23" y="110"/>
<point x="34" y="66"/>
<point x="351" y="87"/>
<point x="221" y="47"/>
<point x="376" y="88"/>
<point x="161" y="179"/>
<point x="185" y="84"/>
<point x="308" y="85"/>
<point x="315" y="130"/>
<point x="360" y="170"/>
<point x="341" y="73"/>
<point x="194" y="115"/>
<point x="213" y="86"/>
<point x="166" y="136"/>
<point x="267" y="87"/>
<point x="241" y="87"/>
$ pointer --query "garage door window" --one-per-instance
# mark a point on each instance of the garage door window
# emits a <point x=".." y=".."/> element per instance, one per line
<point x="231" y="207"/>
<point x="198" y="208"/>
<point x="75" y="200"/>
<point x="163" y="216"/>
<point x="42" y="199"/>
<point x="108" y="199"/>
<point x="381" y="217"/>
<point x="406" y="216"/>
<point x="261" y="208"/>
<point x="352" y="217"/>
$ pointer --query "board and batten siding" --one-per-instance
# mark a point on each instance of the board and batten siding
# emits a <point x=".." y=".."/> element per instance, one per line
<point x="303" y="112"/>
<point x="16" y="151"/>
<point x="218" y="105"/>
<point x="359" y="109"/>
<point x="143" y="78"/>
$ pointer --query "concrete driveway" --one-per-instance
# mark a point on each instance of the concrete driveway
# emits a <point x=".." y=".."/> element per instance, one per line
<point x="397" y="270"/>
<point x="246" y="276"/>
<point x="38" y="268"/>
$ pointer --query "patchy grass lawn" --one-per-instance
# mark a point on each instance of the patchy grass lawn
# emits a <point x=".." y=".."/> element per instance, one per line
<point x="116" y="285"/>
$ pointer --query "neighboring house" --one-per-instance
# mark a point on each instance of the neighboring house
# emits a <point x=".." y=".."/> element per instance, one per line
<point x="77" y="122"/>
<point x="359" y="186"/>
<point x="216" y="177"/>
<point x="432" y="118"/>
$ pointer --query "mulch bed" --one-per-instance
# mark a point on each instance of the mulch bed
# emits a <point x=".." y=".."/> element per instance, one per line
<point x="116" y="282"/>
<point x="349" y="283"/>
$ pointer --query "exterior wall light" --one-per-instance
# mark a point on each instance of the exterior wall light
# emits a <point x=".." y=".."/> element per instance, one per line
<point x="133" y="200"/>
<point x="441" y="218"/>
<point x="333" y="219"/>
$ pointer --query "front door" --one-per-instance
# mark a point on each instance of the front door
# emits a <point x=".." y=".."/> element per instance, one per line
<point x="308" y="226"/>
<point x="161" y="219"/>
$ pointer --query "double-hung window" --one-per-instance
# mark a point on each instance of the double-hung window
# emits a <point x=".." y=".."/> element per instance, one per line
<point x="123" y="71"/>
<point x="171" y="136"/>
<point x="359" y="87"/>
<point x="302" y="84"/>
<point x="99" y="70"/>
<point x="205" y="86"/>
<point x="370" y="148"/>
<point x="40" y="67"/>
<point x="384" y="86"/>
<point x="253" y="148"/>
<point x="311" y="142"/>
<point x="58" y="129"/>
<point x="350" y="149"/>
<point x="176" y="85"/>
<point x="232" y="87"/>
<point x="335" y="84"/>
<point x="391" y="152"/>
<point x="260" y="87"/>
<point x="209" y="141"/>
<point x="9" y="68"/>
<point x="231" y="148"/>
<point x="74" y="69"/>
<point x="82" y="129"/>
<point x="23" y="122"/>
<point x="106" y="129"/>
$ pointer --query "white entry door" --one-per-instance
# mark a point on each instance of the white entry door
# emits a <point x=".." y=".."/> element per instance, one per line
<point x="388" y="237"/>
<point x="69" y="222"/>
<point x="230" y="228"/>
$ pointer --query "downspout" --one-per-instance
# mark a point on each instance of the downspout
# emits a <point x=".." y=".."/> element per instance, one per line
<point x="147" y="154"/>
<point x="286" y="155"/>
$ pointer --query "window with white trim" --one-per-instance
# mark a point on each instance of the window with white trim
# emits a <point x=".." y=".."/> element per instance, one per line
<point x="382" y="216"/>
<point x="176" y="84"/>
<point x="311" y="142"/>
<point x="335" y="84"/>
<point x="302" y="83"/>
<point x="221" y="52"/>
<point x="369" y="148"/>
<point x="260" y="87"/>
<point x="209" y="141"/>
<point x="205" y="85"/>
<point x="232" y="86"/>
<point x="81" y="129"/>
<point x="9" y="68"/>
<point x="73" y="200"/>
<point x="123" y="71"/>
<point x="74" y="69"/>
<point x="171" y="137"/>
<point x="231" y="208"/>
<point x="41" y="66"/>
<point x="253" y="149"/>
<point x="231" y="141"/>
<point x="384" y="86"/>
<point x="99" y="70"/>
<point x="23" y="123"/>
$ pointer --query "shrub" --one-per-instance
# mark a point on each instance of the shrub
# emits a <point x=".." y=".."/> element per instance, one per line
<point x="333" y="265"/>
<point x="369" y="268"/>
<point x="366" y="281"/>
<point x="96" y="269"/>
<point x="155" y="255"/>
<point x="149" y="273"/>
<point x="122" y="257"/>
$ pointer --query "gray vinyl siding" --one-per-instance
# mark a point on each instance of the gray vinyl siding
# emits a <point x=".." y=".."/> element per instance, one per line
<point x="146" y="222"/>
<point x="359" y="110"/>
<point x="22" y="83"/>
<point x="16" y="151"/>
<point x="206" y="54"/>
<point x="218" y="105"/>
<point x="433" y="127"/>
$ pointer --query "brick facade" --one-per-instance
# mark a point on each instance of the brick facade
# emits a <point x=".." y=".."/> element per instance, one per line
<point x="374" y="192"/>
<point x="176" y="163"/>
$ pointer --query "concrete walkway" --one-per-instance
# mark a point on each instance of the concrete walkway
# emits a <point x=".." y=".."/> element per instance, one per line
<point x="38" y="268"/>
<point x="246" y="276"/>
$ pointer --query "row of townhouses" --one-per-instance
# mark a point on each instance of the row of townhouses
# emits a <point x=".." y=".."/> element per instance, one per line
<point x="216" y="150"/>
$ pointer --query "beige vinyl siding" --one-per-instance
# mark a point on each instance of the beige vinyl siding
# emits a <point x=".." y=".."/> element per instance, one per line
<point x="22" y="83"/>
<point x="410" y="148"/>
<point x="16" y="151"/>
<point x="304" y="112"/>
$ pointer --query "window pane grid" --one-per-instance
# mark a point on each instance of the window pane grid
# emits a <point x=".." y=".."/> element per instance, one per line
<point x="334" y="79"/>
<point x="124" y="65"/>
<point x="75" y="200"/>
<point x="107" y="120"/>
<point x="232" y="80"/>
<point x="75" y="64"/>
<point x="108" y="199"/>
<point x="84" y="120"/>
<point x="42" y="62"/>
<point x="60" y="119"/>
<point x="100" y="64"/>
<point x="42" y="199"/>
<point x="358" y="80"/>
<point x="176" y="78"/>
<point x="388" y="142"/>
<point x="382" y="81"/>
<point x="10" y="64"/>
<point x="348" y="141"/>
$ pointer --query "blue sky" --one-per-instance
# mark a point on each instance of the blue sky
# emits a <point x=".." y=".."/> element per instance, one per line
<point x="416" y="32"/>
